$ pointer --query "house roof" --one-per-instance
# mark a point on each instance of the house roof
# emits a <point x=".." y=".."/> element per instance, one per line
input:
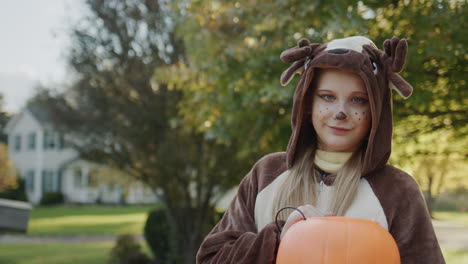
<point x="37" y="112"/>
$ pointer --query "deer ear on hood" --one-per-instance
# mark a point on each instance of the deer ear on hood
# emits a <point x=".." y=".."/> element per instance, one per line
<point x="299" y="55"/>
<point x="395" y="51"/>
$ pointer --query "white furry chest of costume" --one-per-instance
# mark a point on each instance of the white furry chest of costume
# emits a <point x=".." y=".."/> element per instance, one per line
<point x="365" y="206"/>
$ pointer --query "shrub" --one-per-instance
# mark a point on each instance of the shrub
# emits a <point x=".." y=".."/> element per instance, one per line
<point x="18" y="193"/>
<point x="52" y="198"/>
<point x="452" y="201"/>
<point x="128" y="251"/>
<point x="157" y="235"/>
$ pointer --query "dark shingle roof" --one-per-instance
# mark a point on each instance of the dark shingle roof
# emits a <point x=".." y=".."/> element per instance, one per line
<point x="39" y="113"/>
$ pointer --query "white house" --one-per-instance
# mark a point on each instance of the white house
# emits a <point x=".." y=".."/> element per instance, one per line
<point x="40" y="156"/>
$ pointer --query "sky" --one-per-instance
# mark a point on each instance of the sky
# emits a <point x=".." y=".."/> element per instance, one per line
<point x="34" y="40"/>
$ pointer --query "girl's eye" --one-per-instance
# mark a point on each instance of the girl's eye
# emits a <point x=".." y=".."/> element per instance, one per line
<point x="327" y="97"/>
<point x="358" y="100"/>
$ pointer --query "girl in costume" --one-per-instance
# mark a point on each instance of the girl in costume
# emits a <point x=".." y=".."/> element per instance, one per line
<point x="336" y="159"/>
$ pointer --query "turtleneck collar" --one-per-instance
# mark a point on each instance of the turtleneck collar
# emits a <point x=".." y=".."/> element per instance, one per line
<point x="331" y="162"/>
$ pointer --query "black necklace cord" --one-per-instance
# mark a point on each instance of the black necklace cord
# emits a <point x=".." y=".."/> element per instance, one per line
<point x="286" y="207"/>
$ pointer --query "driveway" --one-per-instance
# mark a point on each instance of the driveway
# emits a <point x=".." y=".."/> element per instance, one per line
<point x="451" y="235"/>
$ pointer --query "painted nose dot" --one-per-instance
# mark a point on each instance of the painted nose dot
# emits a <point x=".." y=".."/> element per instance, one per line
<point x="338" y="51"/>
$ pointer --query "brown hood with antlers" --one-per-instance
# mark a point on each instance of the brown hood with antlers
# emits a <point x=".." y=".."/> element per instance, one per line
<point x="379" y="70"/>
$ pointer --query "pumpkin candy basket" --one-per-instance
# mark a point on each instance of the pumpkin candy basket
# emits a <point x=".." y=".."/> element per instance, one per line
<point x="337" y="240"/>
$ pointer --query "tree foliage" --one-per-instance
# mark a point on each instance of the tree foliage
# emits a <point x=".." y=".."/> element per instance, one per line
<point x="116" y="114"/>
<point x="232" y="68"/>
<point x="8" y="177"/>
<point x="4" y="118"/>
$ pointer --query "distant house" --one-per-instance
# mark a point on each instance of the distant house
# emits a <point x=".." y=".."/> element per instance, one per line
<point x="48" y="165"/>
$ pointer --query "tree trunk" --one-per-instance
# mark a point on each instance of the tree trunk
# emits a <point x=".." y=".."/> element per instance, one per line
<point x="429" y="196"/>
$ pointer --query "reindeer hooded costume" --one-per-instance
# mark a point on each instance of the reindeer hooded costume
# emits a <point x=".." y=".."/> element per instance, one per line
<point x="247" y="233"/>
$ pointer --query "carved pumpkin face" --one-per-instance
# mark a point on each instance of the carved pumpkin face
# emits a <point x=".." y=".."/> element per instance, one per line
<point x="337" y="240"/>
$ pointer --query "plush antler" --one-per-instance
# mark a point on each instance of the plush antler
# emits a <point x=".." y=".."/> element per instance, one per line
<point x="298" y="56"/>
<point x="396" y="50"/>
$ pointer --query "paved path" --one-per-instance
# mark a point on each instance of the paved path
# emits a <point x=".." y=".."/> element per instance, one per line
<point x="450" y="235"/>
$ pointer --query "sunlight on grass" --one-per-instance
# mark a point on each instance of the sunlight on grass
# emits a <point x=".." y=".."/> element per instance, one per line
<point x="88" y="220"/>
<point x="455" y="256"/>
<point x="90" y="253"/>
<point x="95" y="225"/>
<point x="456" y="217"/>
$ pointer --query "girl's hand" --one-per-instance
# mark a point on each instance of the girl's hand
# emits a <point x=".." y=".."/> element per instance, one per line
<point x="308" y="211"/>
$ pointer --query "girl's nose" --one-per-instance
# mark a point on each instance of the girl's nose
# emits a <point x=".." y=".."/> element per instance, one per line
<point x="340" y="116"/>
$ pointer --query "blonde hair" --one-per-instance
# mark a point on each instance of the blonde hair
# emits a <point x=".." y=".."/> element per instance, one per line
<point x="300" y="186"/>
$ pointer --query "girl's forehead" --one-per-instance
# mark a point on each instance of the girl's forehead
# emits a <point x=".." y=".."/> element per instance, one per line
<point x="340" y="80"/>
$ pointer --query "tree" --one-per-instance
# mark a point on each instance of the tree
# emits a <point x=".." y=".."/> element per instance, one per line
<point x="117" y="114"/>
<point x="7" y="170"/>
<point x="234" y="47"/>
<point x="4" y="118"/>
<point x="437" y="163"/>
<point x="232" y="68"/>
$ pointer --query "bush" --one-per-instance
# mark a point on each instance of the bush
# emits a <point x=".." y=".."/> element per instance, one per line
<point x="452" y="201"/>
<point x="128" y="251"/>
<point x="18" y="193"/>
<point x="52" y="198"/>
<point x="157" y="235"/>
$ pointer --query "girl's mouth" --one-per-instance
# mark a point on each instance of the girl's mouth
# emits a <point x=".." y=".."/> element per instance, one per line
<point x="339" y="130"/>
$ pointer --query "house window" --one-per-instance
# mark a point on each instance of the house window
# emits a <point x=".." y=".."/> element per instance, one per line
<point x="32" y="141"/>
<point x="77" y="177"/>
<point x="93" y="178"/>
<point x="18" y="142"/>
<point x="48" y="181"/>
<point x="30" y="181"/>
<point x="49" y="140"/>
<point x="60" y="143"/>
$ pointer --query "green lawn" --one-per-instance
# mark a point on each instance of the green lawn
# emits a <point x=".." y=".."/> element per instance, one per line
<point x="455" y="256"/>
<point x="90" y="253"/>
<point x="54" y="253"/>
<point x="456" y="217"/>
<point x="76" y="220"/>
<point x="102" y="220"/>
<point x="88" y="220"/>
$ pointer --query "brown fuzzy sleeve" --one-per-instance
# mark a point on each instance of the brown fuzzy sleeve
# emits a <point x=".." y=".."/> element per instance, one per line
<point x="235" y="238"/>
<point x="407" y="215"/>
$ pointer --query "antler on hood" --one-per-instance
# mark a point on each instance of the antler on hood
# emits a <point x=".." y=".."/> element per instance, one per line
<point x="299" y="56"/>
<point x="395" y="51"/>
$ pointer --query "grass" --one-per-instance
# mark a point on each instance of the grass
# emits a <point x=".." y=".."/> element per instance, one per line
<point x="115" y="220"/>
<point x="88" y="220"/>
<point x="90" y="253"/>
<point x="455" y="256"/>
<point x="53" y="253"/>
<point x="76" y="220"/>
<point x="456" y="217"/>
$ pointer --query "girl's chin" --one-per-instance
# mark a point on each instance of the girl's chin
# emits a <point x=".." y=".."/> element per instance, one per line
<point x="338" y="147"/>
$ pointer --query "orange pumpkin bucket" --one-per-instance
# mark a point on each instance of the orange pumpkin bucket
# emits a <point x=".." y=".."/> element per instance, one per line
<point x="337" y="240"/>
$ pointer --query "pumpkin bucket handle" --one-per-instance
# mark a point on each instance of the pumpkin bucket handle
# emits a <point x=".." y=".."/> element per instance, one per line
<point x="286" y="207"/>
